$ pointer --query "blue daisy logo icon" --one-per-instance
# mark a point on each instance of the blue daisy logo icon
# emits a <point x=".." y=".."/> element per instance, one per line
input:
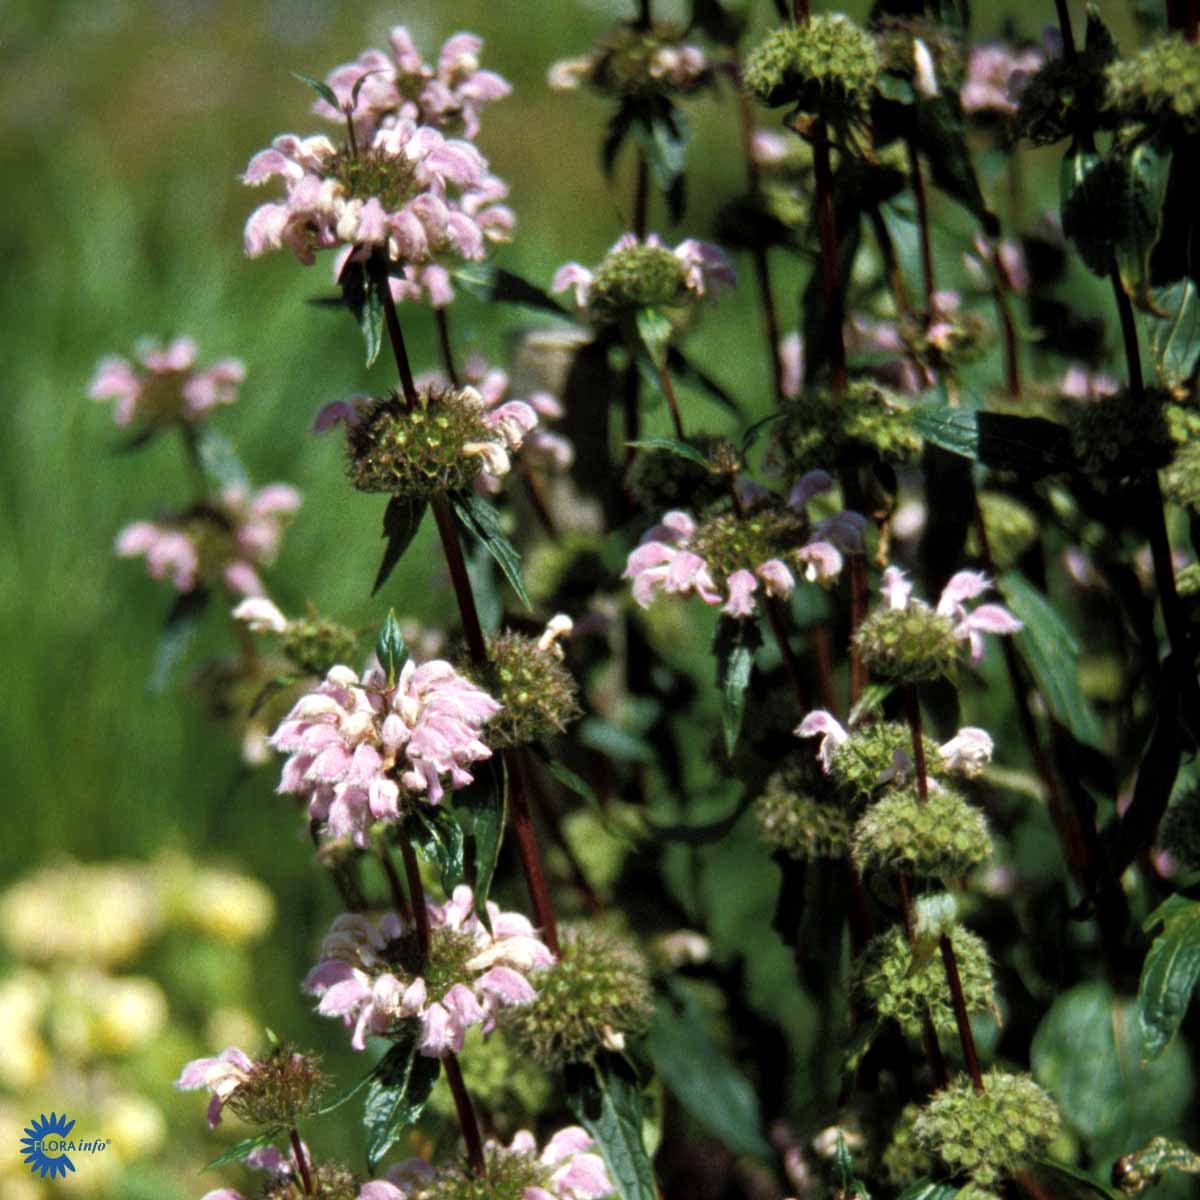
<point x="44" y="1145"/>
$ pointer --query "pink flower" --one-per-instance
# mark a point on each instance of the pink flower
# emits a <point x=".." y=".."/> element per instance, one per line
<point x="356" y="746"/>
<point x="402" y="86"/>
<point x="791" y="365"/>
<point x="825" y="725"/>
<point x="969" y="751"/>
<point x="364" y="978"/>
<point x="702" y="266"/>
<point x="995" y="75"/>
<point x="1006" y="257"/>
<point x="672" y="62"/>
<point x="162" y="388"/>
<point x="222" y="1076"/>
<point x="1080" y="383"/>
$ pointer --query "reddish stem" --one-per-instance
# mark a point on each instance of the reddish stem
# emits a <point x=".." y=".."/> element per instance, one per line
<point x="452" y="547"/>
<point x="301" y="1161"/>
<point x="801" y="12"/>
<point x="965" y="1034"/>
<point x="527" y="847"/>
<point x="859" y="602"/>
<point x="377" y="270"/>
<point x="827" y="232"/>
<point x="912" y="706"/>
<point x="933" y="1049"/>
<point x="778" y="624"/>
<point x="443" y="328"/>
<point x="673" y="404"/>
<point x="918" y="187"/>
<point x="399" y="899"/>
<point x="466" y="1116"/>
<point x="416" y="890"/>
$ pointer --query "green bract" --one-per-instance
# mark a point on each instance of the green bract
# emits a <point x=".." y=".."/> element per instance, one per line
<point x="731" y="542"/>
<point x="990" y="1134"/>
<point x="826" y="67"/>
<point x="942" y="838"/>
<point x="792" y="819"/>
<point x="904" y="986"/>
<point x="422" y="451"/>
<point x="280" y="1088"/>
<point x="869" y="752"/>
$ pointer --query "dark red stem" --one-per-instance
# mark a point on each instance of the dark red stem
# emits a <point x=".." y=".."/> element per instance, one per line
<point x="399" y="899"/>
<point x="377" y="270"/>
<point x="527" y="848"/>
<point x="466" y="1116"/>
<point x="669" y="391"/>
<point x="416" y="890"/>
<point x="827" y="233"/>
<point x="922" y="199"/>
<point x="443" y="328"/>
<point x="461" y="581"/>
<point x="301" y="1161"/>
<point x="965" y="1035"/>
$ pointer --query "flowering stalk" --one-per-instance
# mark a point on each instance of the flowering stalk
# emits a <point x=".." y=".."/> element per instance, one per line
<point x="827" y="232"/>
<point x="301" y="1161"/>
<point x="922" y="199"/>
<point x="466" y="1116"/>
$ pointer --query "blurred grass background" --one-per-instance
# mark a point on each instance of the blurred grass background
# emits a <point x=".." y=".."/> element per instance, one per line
<point x="125" y="126"/>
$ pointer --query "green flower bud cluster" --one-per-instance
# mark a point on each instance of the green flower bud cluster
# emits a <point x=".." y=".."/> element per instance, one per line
<point x="631" y="61"/>
<point x="1179" y="833"/>
<point x="827" y="67"/>
<point x="638" y="276"/>
<point x="1158" y="86"/>
<point x="314" y="644"/>
<point x="508" y="1175"/>
<point x="1187" y="580"/>
<point x="1120" y="437"/>
<point x="536" y="688"/>
<point x="659" y="480"/>
<point x="419" y="452"/>
<point x="943" y="838"/>
<point x="1011" y="529"/>
<point x="870" y="752"/>
<point x="988" y="1135"/>
<point x="864" y="425"/>
<point x="505" y="1084"/>
<point x="904" y="1161"/>
<point x="280" y="1088"/>
<point x="729" y="542"/>
<point x="909" y="645"/>
<point x="331" y="1181"/>
<point x="904" y="984"/>
<point x="597" y="993"/>
<point x="792" y="819"/>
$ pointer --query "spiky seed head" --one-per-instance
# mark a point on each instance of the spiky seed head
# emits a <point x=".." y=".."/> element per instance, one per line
<point x="793" y="819"/>
<point x="313" y="644"/>
<point x="1159" y="87"/>
<point x="280" y="1088"/>
<point x="904" y="1162"/>
<point x="941" y="838"/>
<point x="913" y="644"/>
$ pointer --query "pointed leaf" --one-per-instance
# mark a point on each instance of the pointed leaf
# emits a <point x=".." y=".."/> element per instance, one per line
<point x="701" y="835"/>
<point x="483" y="809"/>
<point x="654" y="330"/>
<point x="607" y="1101"/>
<point x="491" y="283"/>
<point x="619" y="126"/>
<point x="928" y="1189"/>
<point x="396" y="1094"/>
<point x="179" y="632"/>
<point x="371" y="321"/>
<point x="1147" y="169"/>
<point x="401" y="520"/>
<point x="438" y="838"/>
<point x="703" y="1078"/>
<point x="1051" y="652"/>
<point x="1170" y="972"/>
<point x="349" y="1092"/>
<point x="390" y="648"/>
<point x="674" y="446"/>
<point x="1070" y="1183"/>
<point x="734" y="645"/>
<point x="683" y="370"/>
<point x="663" y="135"/>
<point x="239" y="1150"/>
<point x="598" y="734"/>
<point x="942" y="135"/>
<point x="479" y="518"/>
<point x="358" y="86"/>
<point x="322" y="89"/>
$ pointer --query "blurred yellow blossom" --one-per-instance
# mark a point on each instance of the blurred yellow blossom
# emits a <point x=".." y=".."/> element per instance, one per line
<point x="232" y="907"/>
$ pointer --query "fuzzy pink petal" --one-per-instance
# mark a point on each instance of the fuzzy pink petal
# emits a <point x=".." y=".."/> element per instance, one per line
<point x="742" y="586"/>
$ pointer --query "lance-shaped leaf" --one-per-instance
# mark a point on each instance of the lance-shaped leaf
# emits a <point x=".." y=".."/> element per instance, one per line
<point x="734" y="645"/>
<point x="703" y="1078"/>
<point x="1028" y="446"/>
<point x="493" y="284"/>
<point x="606" y="1098"/>
<point x="1147" y="169"/>
<point x="482" y="808"/>
<point x="390" y="648"/>
<point x="663" y="136"/>
<point x="928" y="1189"/>
<point x="654" y="331"/>
<point x="942" y="136"/>
<point x="1170" y="972"/>
<point x="438" y="838"/>
<point x="401" y="520"/>
<point x="1051" y="651"/>
<point x="322" y="89"/>
<point x="239" y="1150"/>
<point x="479" y="518"/>
<point x="179" y="632"/>
<point x="396" y="1094"/>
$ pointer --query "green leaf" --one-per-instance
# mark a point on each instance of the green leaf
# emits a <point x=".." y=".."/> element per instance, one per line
<point x="607" y="1101"/>
<point x="219" y="461"/>
<point x="322" y="89"/>
<point x="896" y="88"/>
<point x="239" y="1150"/>
<point x="390" y="648"/>
<point x="672" y="446"/>
<point x="874" y="694"/>
<point x="1069" y="1183"/>
<point x="847" y="1180"/>
<point x="942" y="136"/>
<point x="664" y="136"/>
<point x="483" y="807"/>
<point x="860" y="1042"/>
<point x="703" y="1078"/>
<point x="598" y="734"/>
<point x="1144" y="1166"/>
<point x="684" y="371"/>
<point x="928" y="1189"/>
<point x="358" y="86"/>
<point x="269" y="689"/>
<point x="478" y="517"/>
<point x="571" y="781"/>
<point x="370" y="319"/>
<point x="438" y="838"/>
<point x="1051" y="652"/>
<point x="401" y="520"/>
<point x="1170" y="972"/>
<point x="493" y="284"/>
<point x="179" y="632"/>
<point x="1030" y="446"/>
<point x="734" y="644"/>
<point x="396" y="1094"/>
<point x="619" y="126"/>
<point x="1144" y="178"/>
<point x="349" y="1092"/>
<point x="1175" y="336"/>
<point x="655" y="332"/>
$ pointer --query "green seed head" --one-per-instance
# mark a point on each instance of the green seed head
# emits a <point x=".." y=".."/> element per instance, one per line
<point x="943" y="838"/>
<point x="904" y="983"/>
<point x="1121" y="437"/>
<point x="988" y="1135"/>
<point x="909" y="645"/>
<point x="637" y="276"/>
<point x="904" y="1162"/>
<point x="591" y="999"/>
<point x="508" y="1175"/>
<point x="281" y="1087"/>
<point x="792" y="818"/>
<point x="729" y="542"/>
<point x="827" y="67"/>
<point x="632" y="61"/>
<point x="313" y="644"/>
<point x="1181" y="480"/>
<point x="660" y="481"/>
<point x="420" y="452"/>
<point x="1065" y="97"/>
<point x="865" y="425"/>
<point x="869" y="753"/>
<point x="1159" y="87"/>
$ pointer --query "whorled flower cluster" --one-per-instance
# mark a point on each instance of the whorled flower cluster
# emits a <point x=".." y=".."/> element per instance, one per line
<point x="222" y="541"/>
<point x="163" y="387"/>
<point x="273" y="1090"/>
<point x="724" y="559"/>
<point x="398" y="84"/>
<point x="644" y="274"/>
<point x="633" y="61"/>
<point x="996" y="73"/>
<point x="374" y="975"/>
<point x="359" y="747"/>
